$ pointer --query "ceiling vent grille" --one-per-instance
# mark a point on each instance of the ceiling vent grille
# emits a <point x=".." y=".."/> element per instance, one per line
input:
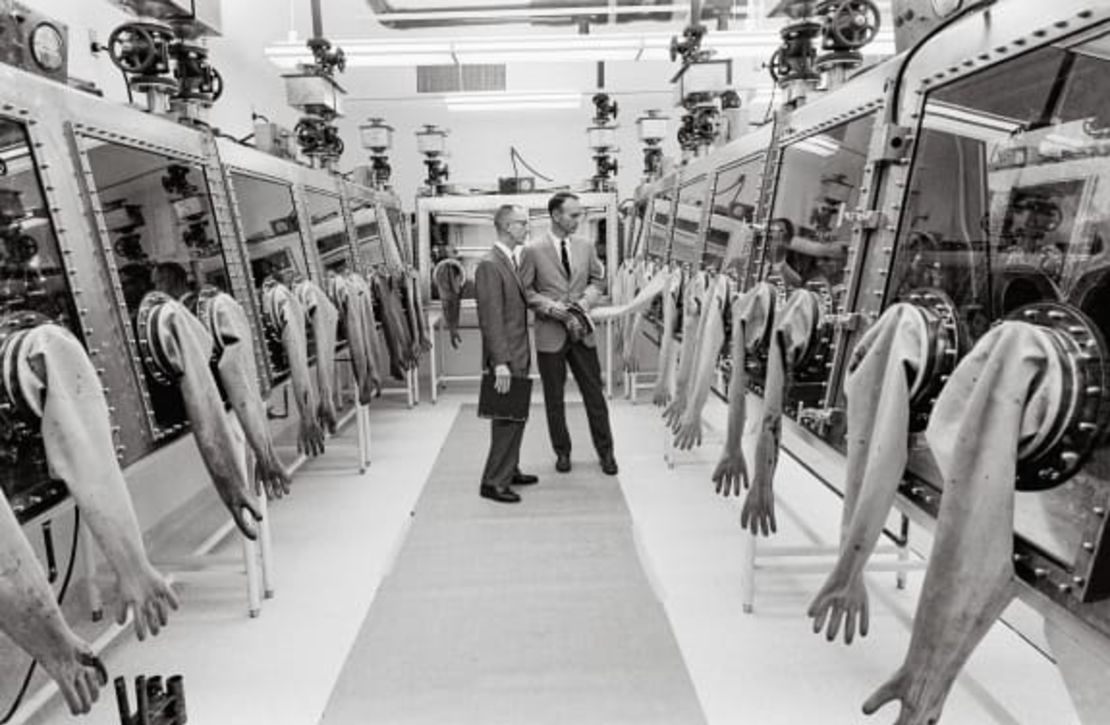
<point x="460" y="78"/>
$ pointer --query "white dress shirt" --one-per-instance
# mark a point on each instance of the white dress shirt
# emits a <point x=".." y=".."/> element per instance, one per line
<point x="558" y="242"/>
<point x="510" y="253"/>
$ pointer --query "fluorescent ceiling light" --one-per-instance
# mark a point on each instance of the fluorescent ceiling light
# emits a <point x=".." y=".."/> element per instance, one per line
<point x="820" y="145"/>
<point x="541" y="47"/>
<point x="512" y="101"/>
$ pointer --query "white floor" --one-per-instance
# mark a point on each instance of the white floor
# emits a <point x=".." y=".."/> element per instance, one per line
<point x="336" y="536"/>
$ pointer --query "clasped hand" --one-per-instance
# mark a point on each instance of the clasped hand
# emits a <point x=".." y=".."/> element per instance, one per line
<point x="503" y="379"/>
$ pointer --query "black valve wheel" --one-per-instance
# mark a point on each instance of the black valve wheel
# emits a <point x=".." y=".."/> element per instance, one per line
<point x="134" y="48"/>
<point x="854" y="23"/>
<point x="1084" y="410"/>
<point x="217" y="84"/>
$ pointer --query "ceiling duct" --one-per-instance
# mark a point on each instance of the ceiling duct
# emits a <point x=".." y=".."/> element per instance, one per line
<point x="200" y="17"/>
<point x="413" y="14"/>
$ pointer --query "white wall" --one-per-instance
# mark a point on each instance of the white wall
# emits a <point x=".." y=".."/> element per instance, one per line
<point x="553" y="142"/>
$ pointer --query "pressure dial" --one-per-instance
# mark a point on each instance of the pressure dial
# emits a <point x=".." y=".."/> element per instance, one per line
<point x="48" y="47"/>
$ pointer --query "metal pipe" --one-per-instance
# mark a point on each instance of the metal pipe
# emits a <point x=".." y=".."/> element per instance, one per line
<point x="317" y="20"/>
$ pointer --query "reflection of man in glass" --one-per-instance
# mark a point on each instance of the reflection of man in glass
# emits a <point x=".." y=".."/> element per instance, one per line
<point x="172" y="279"/>
<point x="135" y="280"/>
<point x="1028" y="221"/>
<point x="780" y="233"/>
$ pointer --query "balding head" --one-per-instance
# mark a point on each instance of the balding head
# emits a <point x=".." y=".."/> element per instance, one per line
<point x="511" y="223"/>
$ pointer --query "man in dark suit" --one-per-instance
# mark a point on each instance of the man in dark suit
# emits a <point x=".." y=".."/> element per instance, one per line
<point x="506" y="351"/>
<point x="563" y="278"/>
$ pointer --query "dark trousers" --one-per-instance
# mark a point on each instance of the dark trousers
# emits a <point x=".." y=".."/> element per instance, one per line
<point x="583" y="363"/>
<point x="504" y="452"/>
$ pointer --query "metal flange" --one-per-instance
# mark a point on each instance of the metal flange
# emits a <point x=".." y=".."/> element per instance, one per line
<point x="202" y="304"/>
<point x="811" y="364"/>
<point x="1084" y="409"/>
<point x="147" y="324"/>
<point x="15" y="412"/>
<point x="943" y="348"/>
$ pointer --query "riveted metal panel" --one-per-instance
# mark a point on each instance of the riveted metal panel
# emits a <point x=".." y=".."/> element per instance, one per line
<point x="231" y="240"/>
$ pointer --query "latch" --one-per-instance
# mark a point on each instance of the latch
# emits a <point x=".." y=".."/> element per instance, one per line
<point x="848" y="321"/>
<point x="867" y="220"/>
<point x="820" y="420"/>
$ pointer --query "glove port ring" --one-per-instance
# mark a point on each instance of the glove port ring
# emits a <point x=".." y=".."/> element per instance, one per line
<point x="1085" y="409"/>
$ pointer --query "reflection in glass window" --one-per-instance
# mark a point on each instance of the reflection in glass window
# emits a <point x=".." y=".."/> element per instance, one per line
<point x="368" y="237"/>
<point x="637" y="221"/>
<point x="686" y="245"/>
<point x="329" y="230"/>
<point x="808" y="233"/>
<point x="271" y="231"/>
<point x="399" y="227"/>
<point x="31" y="279"/>
<point x="1008" y="204"/>
<point x="735" y="196"/>
<point x="659" y="227"/>
<point x="162" y="235"/>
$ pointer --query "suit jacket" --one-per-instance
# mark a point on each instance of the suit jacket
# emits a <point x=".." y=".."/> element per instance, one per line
<point x="545" y="283"/>
<point x="502" y="314"/>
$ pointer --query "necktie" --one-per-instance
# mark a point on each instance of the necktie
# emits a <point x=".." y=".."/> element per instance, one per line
<point x="564" y="257"/>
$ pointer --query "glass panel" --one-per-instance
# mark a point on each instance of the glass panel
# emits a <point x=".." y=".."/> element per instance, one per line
<point x="1009" y="204"/>
<point x="809" y="232"/>
<point x="398" y="223"/>
<point x="329" y="230"/>
<point x="271" y="232"/>
<point x="161" y="235"/>
<point x="659" y="228"/>
<point x="686" y="246"/>
<point x="636" y="247"/>
<point x="368" y="236"/>
<point x="735" y="197"/>
<point x="31" y="279"/>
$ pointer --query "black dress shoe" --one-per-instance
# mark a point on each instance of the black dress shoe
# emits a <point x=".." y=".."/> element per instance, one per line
<point x="499" y="494"/>
<point x="609" y="466"/>
<point x="562" y="463"/>
<point x="524" y="479"/>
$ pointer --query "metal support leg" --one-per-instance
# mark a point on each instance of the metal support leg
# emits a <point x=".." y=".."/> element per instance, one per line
<point x="254" y="575"/>
<point x="903" y="551"/>
<point x="363" y="433"/>
<point x="88" y="567"/>
<point x="433" y="325"/>
<point x="747" y="572"/>
<point x="265" y="542"/>
<point x="609" y="359"/>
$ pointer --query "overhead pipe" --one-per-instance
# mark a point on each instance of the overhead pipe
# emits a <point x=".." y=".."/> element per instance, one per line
<point x="597" y="12"/>
<point x="317" y="20"/>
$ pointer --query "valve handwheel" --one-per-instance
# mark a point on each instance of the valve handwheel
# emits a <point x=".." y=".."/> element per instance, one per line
<point x="778" y="66"/>
<point x="854" y="23"/>
<point x="133" y="48"/>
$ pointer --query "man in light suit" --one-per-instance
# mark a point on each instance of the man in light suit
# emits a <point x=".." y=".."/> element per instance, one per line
<point x="563" y="278"/>
<point x="506" y="351"/>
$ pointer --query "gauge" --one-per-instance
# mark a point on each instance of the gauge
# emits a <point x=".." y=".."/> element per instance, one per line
<point x="48" y="47"/>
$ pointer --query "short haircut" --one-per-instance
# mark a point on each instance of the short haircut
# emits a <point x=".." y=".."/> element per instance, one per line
<point x="556" y="202"/>
<point x="174" y="274"/>
<point x="501" y="218"/>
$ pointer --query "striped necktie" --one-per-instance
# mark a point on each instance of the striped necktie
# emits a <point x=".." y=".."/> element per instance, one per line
<point x="564" y="257"/>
